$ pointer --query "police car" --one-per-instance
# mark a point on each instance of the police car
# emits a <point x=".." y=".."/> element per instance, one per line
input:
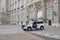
<point x="34" y="25"/>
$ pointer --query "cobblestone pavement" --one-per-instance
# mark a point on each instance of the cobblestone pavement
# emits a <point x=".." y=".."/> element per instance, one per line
<point x="9" y="26"/>
<point x="14" y="32"/>
<point x="51" y="32"/>
<point x="20" y="36"/>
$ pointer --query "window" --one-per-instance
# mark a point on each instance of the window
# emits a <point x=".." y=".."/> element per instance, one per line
<point x="18" y="0"/>
<point x="15" y="2"/>
<point x="34" y="23"/>
<point x="53" y="0"/>
<point x="18" y="8"/>
<point x="10" y="4"/>
<point x="22" y="6"/>
<point x="11" y="10"/>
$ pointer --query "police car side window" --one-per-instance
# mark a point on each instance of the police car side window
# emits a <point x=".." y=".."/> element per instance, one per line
<point x="34" y="23"/>
<point x="39" y="22"/>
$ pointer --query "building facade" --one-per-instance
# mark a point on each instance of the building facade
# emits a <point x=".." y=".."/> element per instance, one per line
<point x="23" y="11"/>
<point x="3" y="12"/>
<point x="27" y="10"/>
<point x="53" y="12"/>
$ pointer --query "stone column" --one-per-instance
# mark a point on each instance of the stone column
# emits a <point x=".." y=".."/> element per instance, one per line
<point x="58" y="10"/>
<point x="44" y="9"/>
<point x="36" y="11"/>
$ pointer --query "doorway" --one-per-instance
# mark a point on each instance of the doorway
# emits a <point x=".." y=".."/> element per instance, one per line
<point x="50" y="22"/>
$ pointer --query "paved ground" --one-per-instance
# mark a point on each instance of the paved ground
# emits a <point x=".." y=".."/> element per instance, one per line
<point x="20" y="36"/>
<point x="16" y="33"/>
<point x="9" y="26"/>
<point x="10" y="29"/>
<point x="52" y="32"/>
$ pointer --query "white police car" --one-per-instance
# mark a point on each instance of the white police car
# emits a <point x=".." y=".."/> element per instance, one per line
<point x="34" y="25"/>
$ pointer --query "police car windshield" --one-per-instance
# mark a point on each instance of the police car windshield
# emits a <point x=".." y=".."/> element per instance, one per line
<point x="31" y="22"/>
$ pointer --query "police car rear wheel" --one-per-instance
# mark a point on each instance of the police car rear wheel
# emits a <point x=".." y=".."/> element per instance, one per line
<point x="42" y="27"/>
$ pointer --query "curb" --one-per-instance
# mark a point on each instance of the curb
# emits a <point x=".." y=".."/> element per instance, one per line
<point x="47" y="35"/>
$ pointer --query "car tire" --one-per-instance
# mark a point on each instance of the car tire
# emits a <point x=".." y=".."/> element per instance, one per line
<point x="24" y="29"/>
<point x="23" y="26"/>
<point x="29" y="29"/>
<point x="42" y="28"/>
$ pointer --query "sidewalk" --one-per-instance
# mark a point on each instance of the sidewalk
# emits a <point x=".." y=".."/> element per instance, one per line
<point x="10" y="29"/>
<point x="9" y="26"/>
<point x="52" y="32"/>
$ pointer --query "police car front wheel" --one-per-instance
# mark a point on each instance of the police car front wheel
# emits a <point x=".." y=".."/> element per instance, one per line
<point x="29" y="29"/>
